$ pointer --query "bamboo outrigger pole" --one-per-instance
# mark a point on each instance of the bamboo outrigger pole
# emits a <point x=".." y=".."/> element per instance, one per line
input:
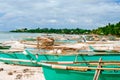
<point x="89" y="62"/>
<point x="82" y="68"/>
<point x="97" y="72"/>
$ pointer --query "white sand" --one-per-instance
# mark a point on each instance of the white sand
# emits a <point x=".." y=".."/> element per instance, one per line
<point x="16" y="72"/>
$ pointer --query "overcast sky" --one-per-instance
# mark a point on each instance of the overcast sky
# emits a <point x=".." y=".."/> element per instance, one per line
<point x="84" y="14"/>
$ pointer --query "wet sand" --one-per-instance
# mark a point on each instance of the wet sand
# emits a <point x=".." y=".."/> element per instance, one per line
<point x="16" y="72"/>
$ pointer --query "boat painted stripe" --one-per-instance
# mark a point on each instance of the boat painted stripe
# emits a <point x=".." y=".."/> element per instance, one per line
<point x="50" y="65"/>
<point x="89" y="62"/>
<point x="17" y="60"/>
<point x="59" y="67"/>
<point x="65" y="62"/>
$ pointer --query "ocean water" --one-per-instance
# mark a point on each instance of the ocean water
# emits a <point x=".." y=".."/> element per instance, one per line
<point x="16" y="36"/>
<point x="9" y="36"/>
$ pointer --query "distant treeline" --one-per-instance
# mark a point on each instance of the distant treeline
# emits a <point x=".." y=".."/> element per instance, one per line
<point x="51" y="30"/>
<point x="109" y="29"/>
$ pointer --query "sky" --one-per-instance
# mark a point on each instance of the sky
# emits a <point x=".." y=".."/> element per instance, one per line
<point x="84" y="14"/>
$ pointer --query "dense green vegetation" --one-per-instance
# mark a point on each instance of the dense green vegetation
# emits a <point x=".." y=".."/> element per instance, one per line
<point x="110" y="29"/>
<point x="51" y="30"/>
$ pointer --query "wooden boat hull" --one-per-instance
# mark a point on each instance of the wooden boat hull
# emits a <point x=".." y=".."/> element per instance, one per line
<point x="62" y="74"/>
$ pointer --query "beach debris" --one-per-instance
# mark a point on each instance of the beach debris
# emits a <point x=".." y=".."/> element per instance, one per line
<point x="25" y="70"/>
<point x="18" y="76"/>
<point x="27" y="75"/>
<point x="14" y="71"/>
<point x="1" y="69"/>
<point x="10" y="73"/>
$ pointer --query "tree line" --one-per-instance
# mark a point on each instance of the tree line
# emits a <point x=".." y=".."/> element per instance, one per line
<point x="51" y="30"/>
<point x="109" y="29"/>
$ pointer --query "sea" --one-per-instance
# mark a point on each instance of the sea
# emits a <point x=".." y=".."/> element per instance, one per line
<point x="5" y="36"/>
<point x="12" y="36"/>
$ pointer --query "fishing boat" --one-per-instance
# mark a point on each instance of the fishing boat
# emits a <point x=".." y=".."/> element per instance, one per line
<point x="17" y="57"/>
<point x="29" y="58"/>
<point x="104" y="49"/>
<point x="5" y="47"/>
<point x="84" y="70"/>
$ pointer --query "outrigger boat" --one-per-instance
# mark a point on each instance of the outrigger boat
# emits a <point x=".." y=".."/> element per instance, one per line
<point x="29" y="58"/>
<point x="83" y="70"/>
<point x="18" y="57"/>
<point x="5" y="47"/>
<point x="103" y="50"/>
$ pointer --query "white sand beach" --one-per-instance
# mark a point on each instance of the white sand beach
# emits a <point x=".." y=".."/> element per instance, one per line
<point x="16" y="72"/>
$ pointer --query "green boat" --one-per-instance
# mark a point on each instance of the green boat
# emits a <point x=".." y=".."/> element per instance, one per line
<point x="5" y="47"/>
<point x="98" y="50"/>
<point x="94" y="70"/>
<point x="18" y="57"/>
<point x="29" y="58"/>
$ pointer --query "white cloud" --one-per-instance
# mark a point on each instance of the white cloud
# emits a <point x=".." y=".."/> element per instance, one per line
<point x="80" y="13"/>
<point x="89" y="21"/>
<point x="52" y="21"/>
<point x="72" y="21"/>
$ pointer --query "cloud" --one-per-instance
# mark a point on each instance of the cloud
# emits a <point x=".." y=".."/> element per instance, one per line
<point x="72" y="21"/>
<point x="52" y="21"/>
<point x="73" y="13"/>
